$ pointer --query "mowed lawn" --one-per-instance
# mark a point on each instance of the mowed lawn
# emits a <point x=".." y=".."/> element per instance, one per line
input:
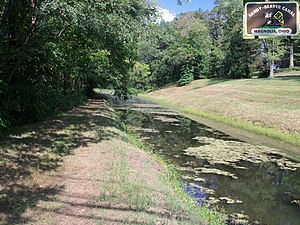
<point x="271" y="103"/>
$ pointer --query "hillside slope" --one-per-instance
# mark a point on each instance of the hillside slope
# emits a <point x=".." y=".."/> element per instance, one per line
<point x="268" y="103"/>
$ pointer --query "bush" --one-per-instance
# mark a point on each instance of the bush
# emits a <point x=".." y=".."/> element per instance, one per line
<point x="186" y="75"/>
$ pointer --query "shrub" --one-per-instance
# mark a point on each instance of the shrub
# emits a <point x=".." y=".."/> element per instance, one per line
<point x="186" y="75"/>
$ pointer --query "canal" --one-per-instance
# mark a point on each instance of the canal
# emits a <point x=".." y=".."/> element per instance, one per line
<point x="253" y="183"/>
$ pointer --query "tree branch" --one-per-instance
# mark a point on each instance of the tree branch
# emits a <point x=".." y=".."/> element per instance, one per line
<point x="60" y="33"/>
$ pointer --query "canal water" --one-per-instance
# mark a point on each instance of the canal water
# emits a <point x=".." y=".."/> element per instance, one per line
<point x="251" y="183"/>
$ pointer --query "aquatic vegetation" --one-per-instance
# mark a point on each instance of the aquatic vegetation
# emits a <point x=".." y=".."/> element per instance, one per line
<point x="166" y="119"/>
<point x="196" y="179"/>
<point x="216" y="171"/>
<point x="296" y="202"/>
<point x="146" y="130"/>
<point x="239" y="218"/>
<point x="221" y="171"/>
<point x="230" y="201"/>
<point x="227" y="152"/>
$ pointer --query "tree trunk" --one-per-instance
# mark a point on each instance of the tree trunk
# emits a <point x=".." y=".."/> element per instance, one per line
<point x="271" y="74"/>
<point x="292" y="65"/>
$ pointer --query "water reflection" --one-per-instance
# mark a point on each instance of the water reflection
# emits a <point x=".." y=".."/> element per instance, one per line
<point x="218" y="169"/>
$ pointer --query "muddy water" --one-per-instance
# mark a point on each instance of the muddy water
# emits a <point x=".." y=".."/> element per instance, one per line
<point x="251" y="183"/>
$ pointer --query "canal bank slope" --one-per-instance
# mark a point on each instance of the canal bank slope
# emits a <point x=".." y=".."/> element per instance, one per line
<point x="266" y="106"/>
<point x="83" y="168"/>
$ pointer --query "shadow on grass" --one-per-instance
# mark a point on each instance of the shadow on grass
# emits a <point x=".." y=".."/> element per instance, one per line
<point x="18" y="198"/>
<point x="122" y="210"/>
<point x="292" y="77"/>
<point x="41" y="147"/>
<point x="99" y="219"/>
<point x="212" y="82"/>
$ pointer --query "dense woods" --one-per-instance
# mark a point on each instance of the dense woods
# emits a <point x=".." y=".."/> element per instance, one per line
<point x="55" y="52"/>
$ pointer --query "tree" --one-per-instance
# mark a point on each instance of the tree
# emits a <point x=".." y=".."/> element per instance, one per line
<point x="171" y="47"/>
<point x="54" y="52"/>
<point x="274" y="51"/>
<point x="291" y="53"/>
<point x="231" y="56"/>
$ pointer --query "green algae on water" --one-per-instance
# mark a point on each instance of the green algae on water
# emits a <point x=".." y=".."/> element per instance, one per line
<point x="230" y="153"/>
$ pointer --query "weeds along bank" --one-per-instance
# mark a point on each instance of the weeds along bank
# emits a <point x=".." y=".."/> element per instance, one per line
<point x="116" y="180"/>
<point x="177" y="201"/>
<point x="266" y="106"/>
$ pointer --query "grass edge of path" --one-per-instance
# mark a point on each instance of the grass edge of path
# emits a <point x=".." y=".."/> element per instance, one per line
<point x="272" y="133"/>
<point x="172" y="177"/>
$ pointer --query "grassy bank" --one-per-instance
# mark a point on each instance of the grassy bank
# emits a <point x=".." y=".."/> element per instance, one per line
<point x="264" y="106"/>
<point x="181" y="202"/>
<point x="116" y="181"/>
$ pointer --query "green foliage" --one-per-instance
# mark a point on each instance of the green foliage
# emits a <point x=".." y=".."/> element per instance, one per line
<point x="170" y="46"/>
<point x="297" y="52"/>
<point x="186" y="75"/>
<point x="209" y="42"/>
<point x="232" y="57"/>
<point x="181" y="2"/>
<point x="140" y="78"/>
<point x="275" y="50"/>
<point x="53" y="53"/>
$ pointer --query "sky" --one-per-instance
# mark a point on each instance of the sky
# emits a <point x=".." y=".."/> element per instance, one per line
<point x="170" y="9"/>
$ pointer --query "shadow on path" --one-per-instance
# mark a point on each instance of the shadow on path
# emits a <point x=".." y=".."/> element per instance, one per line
<point x="41" y="147"/>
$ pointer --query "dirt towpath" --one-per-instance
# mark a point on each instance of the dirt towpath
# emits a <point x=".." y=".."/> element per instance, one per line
<point x="79" y="168"/>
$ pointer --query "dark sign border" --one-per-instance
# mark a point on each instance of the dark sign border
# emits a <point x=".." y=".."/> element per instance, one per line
<point x="252" y="36"/>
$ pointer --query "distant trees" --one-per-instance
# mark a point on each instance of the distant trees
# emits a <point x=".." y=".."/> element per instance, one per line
<point x="208" y="44"/>
<point x="173" y="48"/>
<point x="200" y="45"/>
<point x="238" y="55"/>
